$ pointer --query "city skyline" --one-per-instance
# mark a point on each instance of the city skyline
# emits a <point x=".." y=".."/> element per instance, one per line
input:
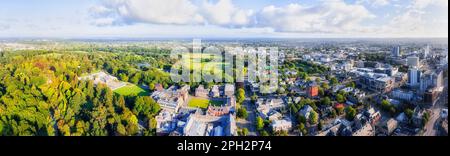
<point x="225" y="19"/>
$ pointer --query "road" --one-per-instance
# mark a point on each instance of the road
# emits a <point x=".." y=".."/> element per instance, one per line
<point x="248" y="123"/>
<point x="431" y="128"/>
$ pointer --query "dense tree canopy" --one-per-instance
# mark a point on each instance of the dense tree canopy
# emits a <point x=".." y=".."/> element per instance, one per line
<point x="40" y="94"/>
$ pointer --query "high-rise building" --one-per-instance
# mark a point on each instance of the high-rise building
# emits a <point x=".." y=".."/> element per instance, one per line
<point x="426" y="81"/>
<point x="413" y="61"/>
<point x="430" y="96"/>
<point x="414" y="75"/>
<point x="395" y="51"/>
<point x="432" y="80"/>
<point x="438" y="78"/>
<point x="402" y="95"/>
<point x="426" y="51"/>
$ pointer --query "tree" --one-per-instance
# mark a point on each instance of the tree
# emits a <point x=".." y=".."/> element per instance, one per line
<point x="242" y="113"/>
<point x="425" y="118"/>
<point x="333" y="81"/>
<point x="152" y="124"/>
<point x="409" y="113"/>
<point x="301" y="119"/>
<point x="328" y="77"/>
<point x="326" y="101"/>
<point x="145" y="105"/>
<point x="259" y="123"/>
<point x="320" y="125"/>
<point x="318" y="80"/>
<point x="121" y="130"/>
<point x="340" y="98"/>
<point x="351" y="84"/>
<point x="123" y="77"/>
<point x="140" y="106"/>
<point x="240" y="96"/>
<point x="121" y="102"/>
<point x="333" y="113"/>
<point x="350" y="113"/>
<point x="313" y="117"/>
<point x="244" y="132"/>
<point x="151" y="86"/>
<point x="301" y="127"/>
<point x="325" y="86"/>
<point x="254" y="98"/>
<point x="321" y="92"/>
<point x="281" y="133"/>
<point x="385" y="104"/>
<point x="264" y="133"/>
<point x="135" y="79"/>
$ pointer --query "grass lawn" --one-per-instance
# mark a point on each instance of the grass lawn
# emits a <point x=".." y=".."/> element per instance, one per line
<point x="198" y="102"/>
<point x="204" y="103"/>
<point x="131" y="89"/>
<point x="216" y="103"/>
<point x="215" y="66"/>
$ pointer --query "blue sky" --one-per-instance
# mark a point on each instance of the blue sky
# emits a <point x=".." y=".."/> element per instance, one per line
<point x="223" y="18"/>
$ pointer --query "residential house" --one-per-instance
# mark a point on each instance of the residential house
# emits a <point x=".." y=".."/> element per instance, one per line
<point x="266" y="106"/>
<point x="201" y="92"/>
<point x="172" y="98"/>
<point x="205" y="125"/>
<point x="229" y="90"/>
<point x="390" y="126"/>
<point x="312" y="90"/>
<point x="374" y="116"/>
<point x="305" y="111"/>
<point x="165" y="123"/>
<point x="215" y="91"/>
<point x="281" y="125"/>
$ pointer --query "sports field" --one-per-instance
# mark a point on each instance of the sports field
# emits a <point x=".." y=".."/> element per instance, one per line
<point x="198" y="103"/>
<point x="202" y="65"/>
<point x="131" y="89"/>
<point x="203" y="103"/>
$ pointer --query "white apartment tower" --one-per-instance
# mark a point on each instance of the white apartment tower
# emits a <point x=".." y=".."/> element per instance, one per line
<point x="414" y="76"/>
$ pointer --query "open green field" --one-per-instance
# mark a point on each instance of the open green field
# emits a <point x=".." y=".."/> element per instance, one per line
<point x="131" y="89"/>
<point x="198" y="102"/>
<point x="214" y="66"/>
<point x="204" y="103"/>
<point x="216" y="102"/>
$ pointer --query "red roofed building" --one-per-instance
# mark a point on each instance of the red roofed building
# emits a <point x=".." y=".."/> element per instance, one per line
<point x="159" y="87"/>
<point x="339" y="105"/>
<point x="312" y="91"/>
<point x="218" y="111"/>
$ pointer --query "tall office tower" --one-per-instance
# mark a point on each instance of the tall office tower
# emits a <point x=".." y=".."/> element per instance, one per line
<point x="396" y="51"/>
<point x="414" y="76"/>
<point x="438" y="78"/>
<point x="426" y="51"/>
<point x="426" y="81"/>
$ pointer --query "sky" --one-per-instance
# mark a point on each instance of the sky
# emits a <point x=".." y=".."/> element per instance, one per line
<point x="223" y="18"/>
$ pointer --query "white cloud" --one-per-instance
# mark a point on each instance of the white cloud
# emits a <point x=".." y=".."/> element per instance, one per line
<point x="421" y="4"/>
<point x="147" y="11"/>
<point x="420" y="18"/>
<point x="380" y="2"/>
<point x="224" y="13"/>
<point x="179" y="12"/>
<point x="327" y="17"/>
<point x="375" y="3"/>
